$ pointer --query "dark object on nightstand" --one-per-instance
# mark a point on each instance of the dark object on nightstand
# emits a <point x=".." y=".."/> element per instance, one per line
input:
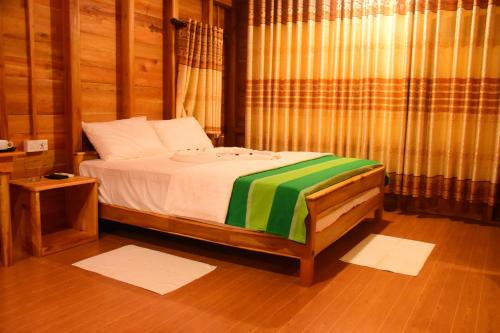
<point x="8" y="150"/>
<point x="56" y="176"/>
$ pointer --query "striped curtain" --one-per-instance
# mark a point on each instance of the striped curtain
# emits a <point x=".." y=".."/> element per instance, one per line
<point x="199" y="77"/>
<point x="452" y="147"/>
<point x="415" y="85"/>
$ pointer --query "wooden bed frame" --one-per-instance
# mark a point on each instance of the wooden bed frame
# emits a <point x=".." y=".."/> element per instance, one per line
<point x="320" y="204"/>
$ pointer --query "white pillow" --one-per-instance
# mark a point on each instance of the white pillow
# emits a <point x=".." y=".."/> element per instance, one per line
<point x="124" y="139"/>
<point x="182" y="134"/>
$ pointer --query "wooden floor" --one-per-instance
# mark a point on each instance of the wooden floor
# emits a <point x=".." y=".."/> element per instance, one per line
<point x="457" y="290"/>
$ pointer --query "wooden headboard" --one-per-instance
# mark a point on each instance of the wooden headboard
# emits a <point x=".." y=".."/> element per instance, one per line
<point x="81" y="156"/>
<point x="88" y="153"/>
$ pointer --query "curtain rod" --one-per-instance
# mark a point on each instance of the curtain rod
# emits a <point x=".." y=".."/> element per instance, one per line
<point x="178" y="23"/>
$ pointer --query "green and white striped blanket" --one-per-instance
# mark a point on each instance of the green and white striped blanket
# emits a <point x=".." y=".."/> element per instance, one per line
<point x="274" y="201"/>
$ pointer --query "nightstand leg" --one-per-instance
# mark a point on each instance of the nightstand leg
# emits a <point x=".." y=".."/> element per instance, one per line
<point x="35" y="224"/>
<point x="5" y="226"/>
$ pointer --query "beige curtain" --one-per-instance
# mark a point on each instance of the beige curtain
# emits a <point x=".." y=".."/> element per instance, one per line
<point x="360" y="78"/>
<point x="452" y="146"/>
<point x="199" y="77"/>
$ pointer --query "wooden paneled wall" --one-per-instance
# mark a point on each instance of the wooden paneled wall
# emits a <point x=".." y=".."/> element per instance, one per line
<point x="32" y="102"/>
<point x="67" y="61"/>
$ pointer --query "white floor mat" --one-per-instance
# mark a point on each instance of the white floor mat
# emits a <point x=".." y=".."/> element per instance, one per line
<point x="392" y="254"/>
<point x="152" y="270"/>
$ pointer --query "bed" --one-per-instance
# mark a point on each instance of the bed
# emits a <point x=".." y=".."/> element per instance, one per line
<point x="333" y="210"/>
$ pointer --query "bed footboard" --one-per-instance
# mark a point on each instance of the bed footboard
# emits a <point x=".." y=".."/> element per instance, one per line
<point x="323" y="202"/>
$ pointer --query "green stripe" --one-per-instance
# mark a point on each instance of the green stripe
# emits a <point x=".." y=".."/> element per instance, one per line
<point x="262" y="192"/>
<point x="239" y="197"/>
<point x="286" y="195"/>
<point x="298" y="226"/>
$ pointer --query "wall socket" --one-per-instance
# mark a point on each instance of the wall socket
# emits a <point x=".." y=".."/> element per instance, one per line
<point x="31" y="146"/>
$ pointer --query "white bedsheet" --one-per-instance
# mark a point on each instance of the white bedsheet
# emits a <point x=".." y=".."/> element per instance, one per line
<point x="161" y="185"/>
<point x="140" y="184"/>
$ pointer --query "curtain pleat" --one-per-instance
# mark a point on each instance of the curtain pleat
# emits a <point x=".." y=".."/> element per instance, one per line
<point x="199" y="77"/>
<point x="413" y="84"/>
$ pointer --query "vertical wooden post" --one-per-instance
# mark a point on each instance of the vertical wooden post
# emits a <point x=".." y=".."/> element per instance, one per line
<point x="6" y="168"/>
<point x="231" y="79"/>
<point x="30" y="35"/>
<point x="5" y="224"/>
<point x="306" y="274"/>
<point x="171" y="10"/>
<point x="72" y="95"/>
<point x="379" y="212"/>
<point x="4" y="133"/>
<point x="208" y="11"/>
<point x="128" y="58"/>
<point x="35" y="224"/>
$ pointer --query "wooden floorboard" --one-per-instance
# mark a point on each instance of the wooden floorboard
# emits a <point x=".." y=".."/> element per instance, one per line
<point x="372" y="292"/>
<point x="458" y="289"/>
<point x="387" y="296"/>
<point x="422" y="311"/>
<point x="412" y="294"/>
<point x="488" y="316"/>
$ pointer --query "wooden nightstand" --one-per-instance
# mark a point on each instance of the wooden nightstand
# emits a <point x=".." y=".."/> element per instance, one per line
<point x="56" y="214"/>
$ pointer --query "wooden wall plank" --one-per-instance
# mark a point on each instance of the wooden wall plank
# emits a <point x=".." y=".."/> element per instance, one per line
<point x="127" y="25"/>
<point x="149" y="48"/>
<point x="48" y="82"/>
<point x="4" y="133"/>
<point x="97" y="58"/>
<point x="224" y="3"/>
<point x="30" y="35"/>
<point x="71" y="45"/>
<point x="98" y="101"/>
<point x="208" y="11"/>
<point x="100" y="60"/>
<point x="171" y="10"/>
<point x="190" y="9"/>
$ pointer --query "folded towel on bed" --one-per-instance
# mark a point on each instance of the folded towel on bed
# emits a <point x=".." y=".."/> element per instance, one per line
<point x="274" y="201"/>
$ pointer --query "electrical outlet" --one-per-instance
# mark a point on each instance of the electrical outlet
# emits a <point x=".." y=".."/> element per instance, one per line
<point x="31" y="146"/>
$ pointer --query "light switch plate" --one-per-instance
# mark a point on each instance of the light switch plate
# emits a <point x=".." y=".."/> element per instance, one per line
<point x="31" y="146"/>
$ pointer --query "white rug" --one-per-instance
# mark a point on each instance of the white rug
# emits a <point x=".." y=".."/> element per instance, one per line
<point x="152" y="270"/>
<point x="392" y="254"/>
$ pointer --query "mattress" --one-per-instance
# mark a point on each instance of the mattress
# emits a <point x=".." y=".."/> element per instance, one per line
<point x="163" y="185"/>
